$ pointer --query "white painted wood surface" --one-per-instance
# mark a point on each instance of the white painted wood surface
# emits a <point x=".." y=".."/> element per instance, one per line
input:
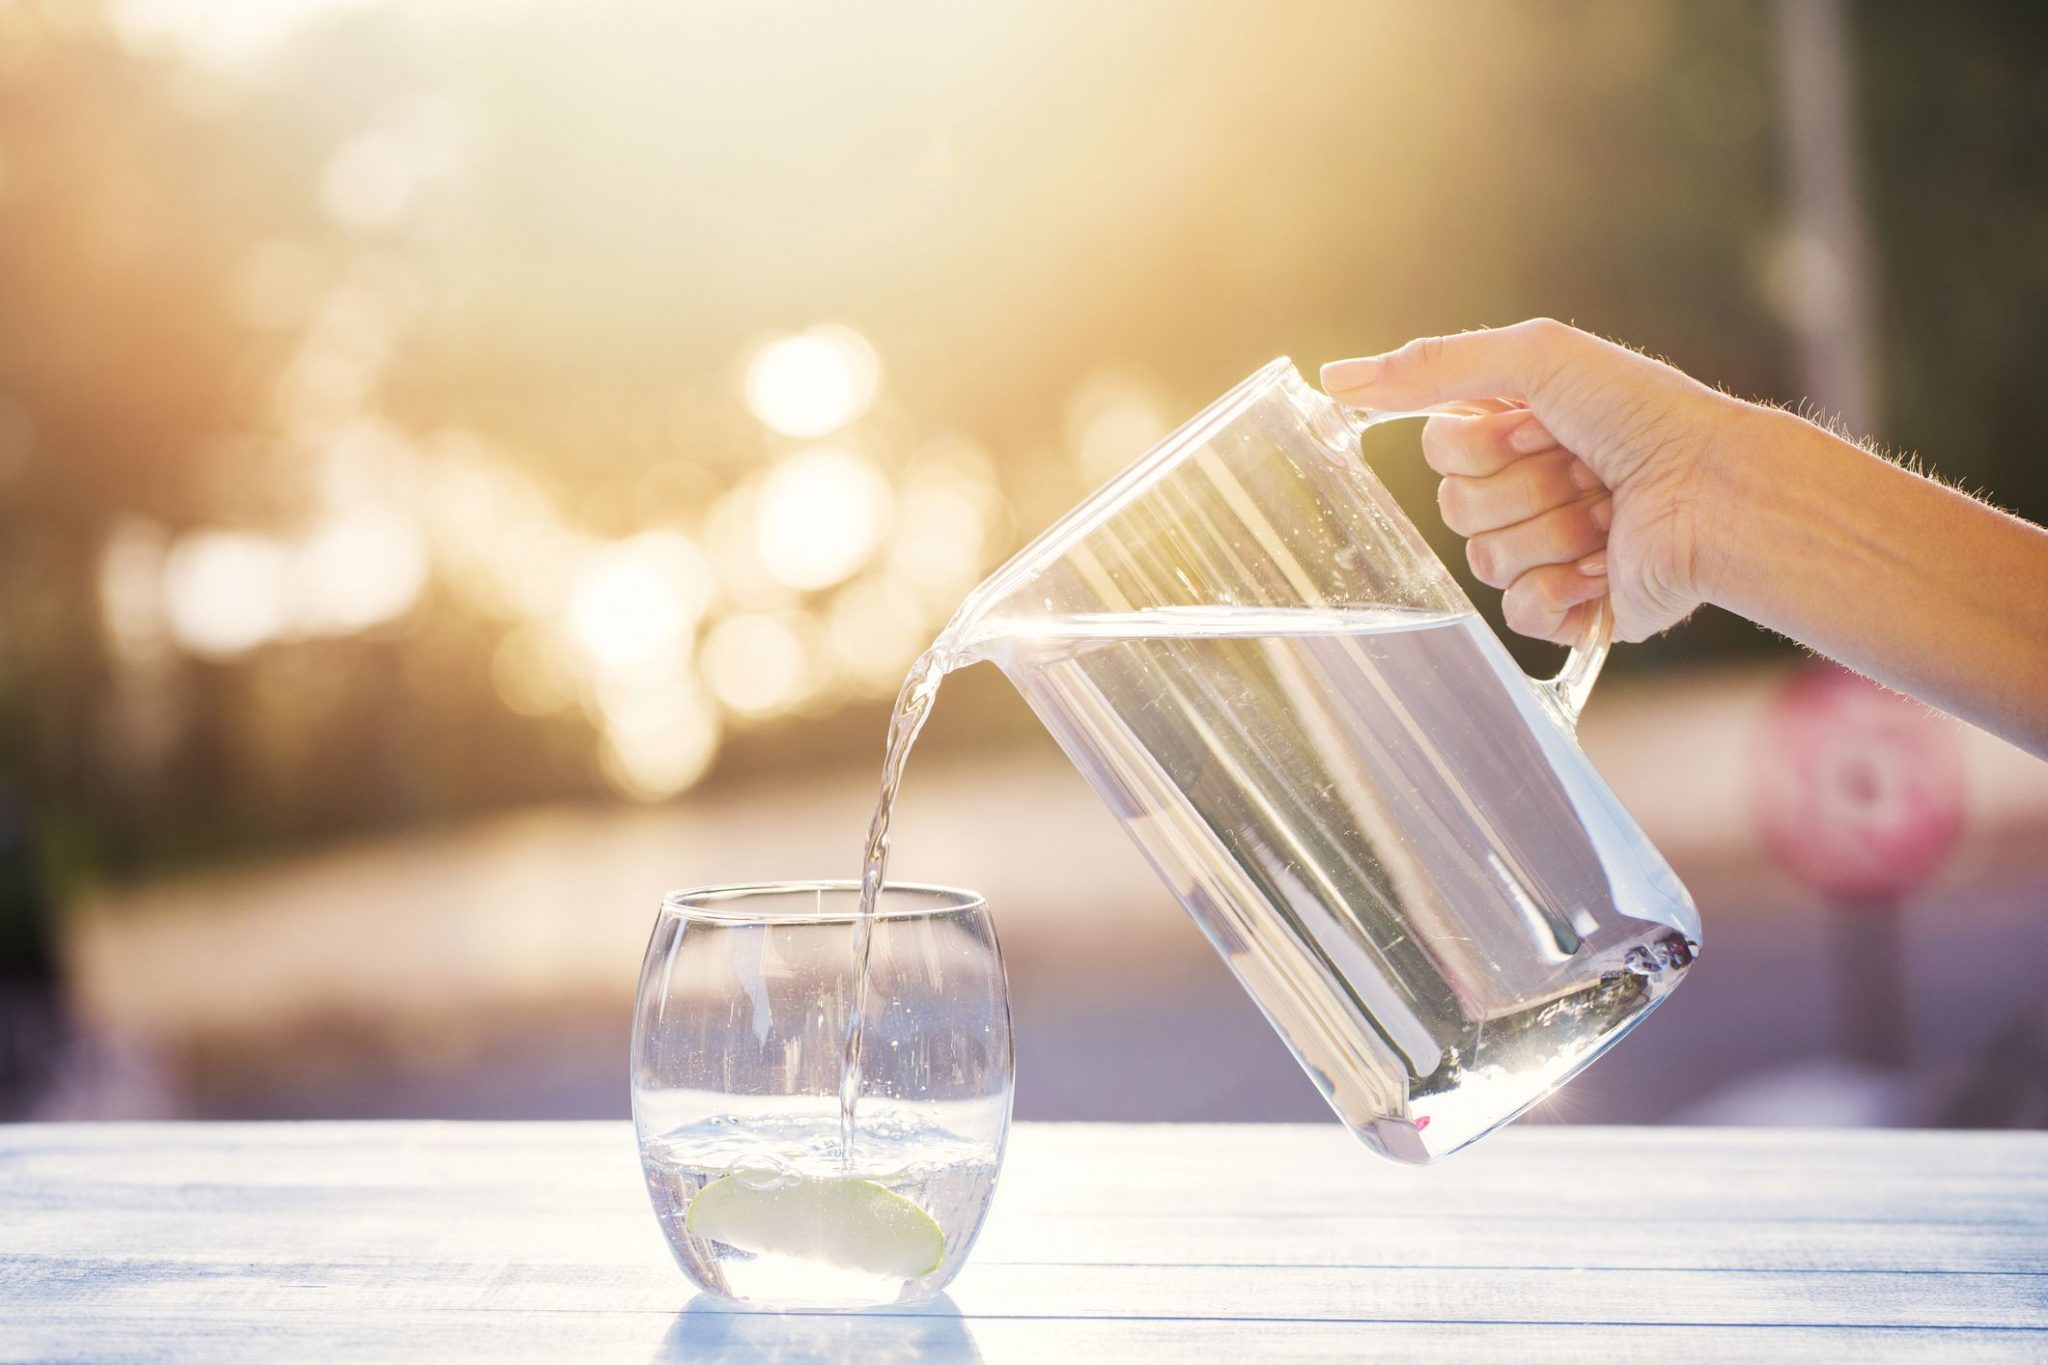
<point x="377" y="1241"/>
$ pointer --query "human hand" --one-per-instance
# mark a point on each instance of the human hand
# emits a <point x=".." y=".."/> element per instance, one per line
<point x="1594" y="475"/>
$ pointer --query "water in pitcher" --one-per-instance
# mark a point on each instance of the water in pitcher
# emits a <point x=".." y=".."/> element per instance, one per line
<point x="1406" y="861"/>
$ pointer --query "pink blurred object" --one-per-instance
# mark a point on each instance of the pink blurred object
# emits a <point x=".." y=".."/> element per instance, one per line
<point x="1859" y="792"/>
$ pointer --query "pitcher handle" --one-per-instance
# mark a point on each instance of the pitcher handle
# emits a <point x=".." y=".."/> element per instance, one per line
<point x="1566" y="693"/>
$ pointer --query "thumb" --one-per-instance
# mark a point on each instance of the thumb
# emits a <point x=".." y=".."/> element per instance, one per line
<point x="1501" y="362"/>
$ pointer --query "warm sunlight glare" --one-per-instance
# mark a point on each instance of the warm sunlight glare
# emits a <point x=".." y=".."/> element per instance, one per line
<point x="1111" y="420"/>
<point x="639" y="600"/>
<point x="218" y="32"/>
<point x="877" y="627"/>
<point x="530" y="673"/>
<point x="755" y="664"/>
<point x="226" y="592"/>
<point x="131" y="583"/>
<point x="358" y="571"/>
<point x="658" y="738"/>
<point x="821" y="514"/>
<point x="814" y="382"/>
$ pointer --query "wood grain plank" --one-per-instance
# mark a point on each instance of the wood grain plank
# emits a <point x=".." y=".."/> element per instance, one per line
<point x="799" y="1339"/>
<point x="1114" y="1241"/>
<point x="227" y="1283"/>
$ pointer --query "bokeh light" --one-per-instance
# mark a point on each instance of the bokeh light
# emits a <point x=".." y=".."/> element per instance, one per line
<point x="226" y="592"/>
<point x="131" y="591"/>
<point x="371" y="180"/>
<point x="375" y="179"/>
<point x="532" y="673"/>
<point x="230" y="33"/>
<point x="660" y="736"/>
<point x="359" y="570"/>
<point x="877" y="628"/>
<point x="732" y="536"/>
<point x="944" y="516"/>
<point x="494" y="530"/>
<point x="638" y="601"/>
<point x="820" y="515"/>
<point x="756" y="665"/>
<point x="813" y="383"/>
<point x="1112" y="419"/>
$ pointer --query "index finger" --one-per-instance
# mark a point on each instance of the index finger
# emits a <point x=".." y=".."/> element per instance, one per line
<point x="1501" y="362"/>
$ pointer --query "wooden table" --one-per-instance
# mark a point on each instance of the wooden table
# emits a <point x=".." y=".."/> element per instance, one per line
<point x="346" y="1241"/>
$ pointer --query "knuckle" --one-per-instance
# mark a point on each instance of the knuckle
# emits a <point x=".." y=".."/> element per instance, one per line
<point x="1587" y="532"/>
<point x="1484" y="555"/>
<point x="1420" y="356"/>
<point x="1436" y="443"/>
<point x="1557" y="485"/>
<point x="1629" y="629"/>
<point x="1522" y="493"/>
<point x="1567" y="533"/>
<point x="1453" y="503"/>
<point x="1522" y="614"/>
<point x="1542" y="346"/>
<point x="1429" y="352"/>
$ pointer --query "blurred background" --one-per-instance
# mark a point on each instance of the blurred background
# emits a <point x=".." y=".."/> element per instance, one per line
<point x="467" y="467"/>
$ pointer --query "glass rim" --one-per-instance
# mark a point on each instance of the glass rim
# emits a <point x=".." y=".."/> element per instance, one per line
<point x="726" y="902"/>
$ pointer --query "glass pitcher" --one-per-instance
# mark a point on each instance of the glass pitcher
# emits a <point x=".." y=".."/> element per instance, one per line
<point x="1386" y="828"/>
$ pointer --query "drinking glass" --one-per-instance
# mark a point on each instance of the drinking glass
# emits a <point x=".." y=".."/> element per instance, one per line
<point x="739" y="1037"/>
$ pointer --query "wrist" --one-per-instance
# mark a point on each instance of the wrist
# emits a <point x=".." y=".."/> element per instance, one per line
<point x="1723" y="482"/>
<point x="1757" y="471"/>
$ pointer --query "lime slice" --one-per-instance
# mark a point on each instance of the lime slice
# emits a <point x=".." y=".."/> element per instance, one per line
<point x="841" y="1221"/>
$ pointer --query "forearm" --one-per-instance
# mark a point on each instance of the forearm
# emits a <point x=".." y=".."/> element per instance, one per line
<point x="1912" y="583"/>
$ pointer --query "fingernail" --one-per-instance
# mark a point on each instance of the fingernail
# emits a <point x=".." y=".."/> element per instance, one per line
<point x="1602" y="513"/>
<point x="1594" y="565"/>
<point x="1529" y="438"/>
<point x="1583" y="477"/>
<point x="1350" y="375"/>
